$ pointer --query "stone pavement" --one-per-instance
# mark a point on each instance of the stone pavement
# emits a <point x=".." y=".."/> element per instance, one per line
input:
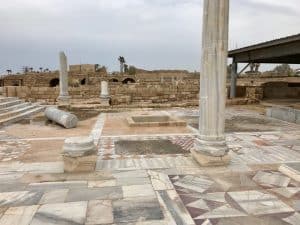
<point x="156" y="188"/>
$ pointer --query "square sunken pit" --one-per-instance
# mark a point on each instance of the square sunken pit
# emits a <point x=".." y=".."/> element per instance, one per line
<point x="154" y="121"/>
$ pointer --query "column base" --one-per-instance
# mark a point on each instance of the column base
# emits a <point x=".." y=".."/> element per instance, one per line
<point x="210" y="153"/>
<point x="105" y="101"/>
<point x="65" y="99"/>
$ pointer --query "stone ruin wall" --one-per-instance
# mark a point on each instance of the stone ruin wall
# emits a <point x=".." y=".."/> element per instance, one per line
<point x="159" y="87"/>
<point x="120" y="93"/>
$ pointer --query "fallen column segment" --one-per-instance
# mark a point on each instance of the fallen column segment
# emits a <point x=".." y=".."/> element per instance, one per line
<point x="66" y="119"/>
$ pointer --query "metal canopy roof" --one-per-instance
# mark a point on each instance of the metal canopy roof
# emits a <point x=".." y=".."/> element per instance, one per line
<point x="283" y="50"/>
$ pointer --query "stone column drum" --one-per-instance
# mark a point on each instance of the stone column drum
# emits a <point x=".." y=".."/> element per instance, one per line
<point x="63" y="79"/>
<point x="67" y="120"/>
<point x="210" y="147"/>
<point x="104" y="96"/>
<point x="80" y="154"/>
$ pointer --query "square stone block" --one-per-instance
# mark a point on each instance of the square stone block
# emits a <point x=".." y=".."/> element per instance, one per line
<point x="205" y="160"/>
<point x="80" y="164"/>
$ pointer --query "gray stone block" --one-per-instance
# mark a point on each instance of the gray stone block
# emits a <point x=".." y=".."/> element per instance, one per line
<point x="66" y="119"/>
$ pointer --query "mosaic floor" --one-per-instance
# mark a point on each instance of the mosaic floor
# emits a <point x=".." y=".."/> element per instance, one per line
<point x="261" y="186"/>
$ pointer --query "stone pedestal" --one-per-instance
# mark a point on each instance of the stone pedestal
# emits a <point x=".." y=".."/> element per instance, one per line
<point x="210" y="147"/>
<point x="80" y="154"/>
<point x="63" y="97"/>
<point x="104" y="96"/>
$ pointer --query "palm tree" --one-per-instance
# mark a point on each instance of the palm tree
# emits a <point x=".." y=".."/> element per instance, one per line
<point x="8" y="71"/>
<point x="31" y="69"/>
<point x="41" y="69"/>
<point x="122" y="62"/>
<point x="125" y="68"/>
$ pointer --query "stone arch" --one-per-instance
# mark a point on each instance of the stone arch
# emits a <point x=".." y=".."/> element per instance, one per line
<point x="128" y="81"/>
<point x="54" y="82"/>
<point x="83" y="81"/>
<point x="114" y="80"/>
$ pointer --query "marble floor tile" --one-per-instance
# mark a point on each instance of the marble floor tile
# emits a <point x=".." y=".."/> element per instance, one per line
<point x="176" y="207"/>
<point x="21" y="198"/>
<point x="293" y="220"/>
<point x="259" y="203"/>
<point x="87" y="194"/>
<point x="271" y="179"/>
<point x="64" y="213"/>
<point x="102" y="183"/>
<point x="99" y="212"/>
<point x="222" y="212"/>
<point x="57" y="185"/>
<point x="288" y="192"/>
<point x="133" y="191"/>
<point x="55" y="196"/>
<point x="136" y="210"/>
<point x="160" y="181"/>
<point x="19" y="215"/>
<point x="125" y="181"/>
<point x="194" y="183"/>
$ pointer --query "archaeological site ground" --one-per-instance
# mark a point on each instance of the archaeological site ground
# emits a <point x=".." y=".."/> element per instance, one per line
<point x="83" y="146"/>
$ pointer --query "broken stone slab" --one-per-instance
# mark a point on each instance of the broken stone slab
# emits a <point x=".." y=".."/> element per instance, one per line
<point x="66" y="119"/>
<point x="79" y="154"/>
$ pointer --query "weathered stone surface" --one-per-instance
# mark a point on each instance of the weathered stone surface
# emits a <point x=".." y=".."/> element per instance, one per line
<point x="79" y="154"/>
<point x="79" y="146"/>
<point x="63" y="78"/>
<point x="206" y="160"/>
<point x="104" y="89"/>
<point x="65" y="119"/>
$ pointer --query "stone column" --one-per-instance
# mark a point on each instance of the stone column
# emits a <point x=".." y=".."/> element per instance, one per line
<point x="233" y="80"/>
<point x="104" y="96"/>
<point x="63" y="79"/>
<point x="210" y="147"/>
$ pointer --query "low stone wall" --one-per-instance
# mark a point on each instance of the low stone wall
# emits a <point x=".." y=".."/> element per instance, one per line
<point x="284" y="113"/>
<point x="120" y="94"/>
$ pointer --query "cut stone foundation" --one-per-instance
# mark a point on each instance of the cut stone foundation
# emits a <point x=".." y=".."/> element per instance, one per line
<point x="206" y="160"/>
<point x="79" y="155"/>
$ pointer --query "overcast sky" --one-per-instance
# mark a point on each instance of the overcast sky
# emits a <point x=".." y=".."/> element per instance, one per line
<point x="151" y="34"/>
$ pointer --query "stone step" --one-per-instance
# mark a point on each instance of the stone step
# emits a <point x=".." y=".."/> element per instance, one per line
<point x="16" y="112"/>
<point x="7" y="99"/>
<point x="14" y="107"/>
<point x="21" y="116"/>
<point x="10" y="103"/>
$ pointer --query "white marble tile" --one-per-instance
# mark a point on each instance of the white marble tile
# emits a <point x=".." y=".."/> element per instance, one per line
<point x="160" y="181"/>
<point x="258" y="203"/>
<point x="102" y="183"/>
<point x="19" y="215"/>
<point x="224" y="211"/>
<point x="195" y="183"/>
<point x="287" y="192"/>
<point x="55" y="196"/>
<point x="99" y="212"/>
<point x="293" y="220"/>
<point x="271" y="179"/>
<point x="62" y="213"/>
<point x="138" y="191"/>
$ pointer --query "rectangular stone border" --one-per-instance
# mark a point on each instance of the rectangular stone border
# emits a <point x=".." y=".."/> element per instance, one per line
<point x="173" y="121"/>
<point x="284" y="113"/>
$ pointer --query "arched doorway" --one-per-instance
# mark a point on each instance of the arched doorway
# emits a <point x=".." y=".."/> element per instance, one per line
<point x="128" y="81"/>
<point x="54" y="82"/>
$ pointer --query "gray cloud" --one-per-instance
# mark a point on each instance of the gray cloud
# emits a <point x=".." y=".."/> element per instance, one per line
<point x="149" y="33"/>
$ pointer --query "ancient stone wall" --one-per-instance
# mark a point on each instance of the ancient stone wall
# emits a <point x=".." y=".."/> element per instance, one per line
<point x="120" y="93"/>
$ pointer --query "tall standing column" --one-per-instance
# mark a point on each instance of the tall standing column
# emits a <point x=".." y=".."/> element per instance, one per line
<point x="233" y="79"/>
<point x="210" y="147"/>
<point x="63" y="78"/>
